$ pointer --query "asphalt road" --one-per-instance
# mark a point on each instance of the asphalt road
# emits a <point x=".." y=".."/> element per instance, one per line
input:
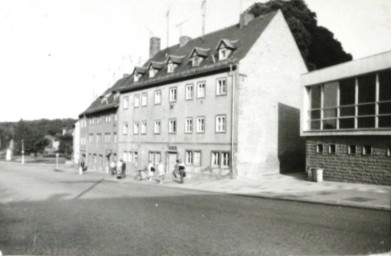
<point x="60" y="213"/>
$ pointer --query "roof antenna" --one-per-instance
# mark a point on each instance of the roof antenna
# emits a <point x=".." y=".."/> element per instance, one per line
<point x="203" y="7"/>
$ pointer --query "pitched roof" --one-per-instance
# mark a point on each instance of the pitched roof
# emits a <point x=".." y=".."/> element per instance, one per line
<point x="110" y="101"/>
<point x="240" y="39"/>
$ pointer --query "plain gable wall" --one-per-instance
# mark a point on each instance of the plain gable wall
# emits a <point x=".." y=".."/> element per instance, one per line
<point x="268" y="134"/>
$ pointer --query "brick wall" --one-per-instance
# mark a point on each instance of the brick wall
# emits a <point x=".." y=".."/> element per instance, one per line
<point x="356" y="168"/>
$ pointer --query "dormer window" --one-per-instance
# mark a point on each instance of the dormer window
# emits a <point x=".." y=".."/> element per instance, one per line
<point x="196" y="61"/>
<point x="136" y="76"/>
<point x="225" y="47"/>
<point x="224" y="53"/>
<point x="152" y="72"/>
<point x="171" y="67"/>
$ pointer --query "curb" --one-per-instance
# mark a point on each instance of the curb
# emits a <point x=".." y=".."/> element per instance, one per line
<point x="260" y="195"/>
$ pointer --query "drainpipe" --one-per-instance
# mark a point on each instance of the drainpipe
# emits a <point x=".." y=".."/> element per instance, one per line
<point x="234" y="77"/>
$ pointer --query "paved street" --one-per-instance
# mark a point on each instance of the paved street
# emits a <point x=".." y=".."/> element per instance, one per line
<point x="48" y="212"/>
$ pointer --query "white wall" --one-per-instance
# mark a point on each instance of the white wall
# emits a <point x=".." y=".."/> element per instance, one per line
<point x="273" y="67"/>
<point x="76" y="143"/>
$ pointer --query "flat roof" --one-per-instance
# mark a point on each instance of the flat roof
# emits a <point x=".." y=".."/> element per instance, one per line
<point x="352" y="68"/>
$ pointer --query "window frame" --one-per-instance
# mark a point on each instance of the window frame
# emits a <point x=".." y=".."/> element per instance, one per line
<point x="350" y="152"/>
<point x="192" y="91"/>
<point x="126" y="102"/>
<point x="365" y="150"/>
<point x="224" y="116"/>
<point x="155" y="125"/>
<point x="144" y="127"/>
<point x="125" y="131"/>
<point x="136" y="100"/>
<point x="319" y="149"/>
<point x="198" y="90"/>
<point x="204" y="124"/>
<point x="170" y="94"/>
<point x="136" y="128"/>
<point x="144" y="95"/>
<point x="189" y="131"/>
<point x="218" y="91"/>
<point x="158" y="95"/>
<point x="172" y="123"/>
<point x="332" y="149"/>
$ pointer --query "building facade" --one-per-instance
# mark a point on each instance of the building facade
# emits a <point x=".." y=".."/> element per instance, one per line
<point x="228" y="102"/>
<point x="347" y="120"/>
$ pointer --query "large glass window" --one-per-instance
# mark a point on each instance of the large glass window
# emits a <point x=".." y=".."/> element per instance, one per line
<point x="352" y="103"/>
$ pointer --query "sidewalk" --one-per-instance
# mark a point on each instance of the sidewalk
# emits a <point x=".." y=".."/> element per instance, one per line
<point x="286" y="187"/>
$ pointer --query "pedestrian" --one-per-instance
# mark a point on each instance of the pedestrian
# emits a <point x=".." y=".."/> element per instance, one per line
<point x="119" y="166"/>
<point x="161" y="172"/>
<point x="151" y="170"/>
<point x="112" y="167"/>
<point x="182" y="172"/>
<point x="123" y="169"/>
<point x="81" y="166"/>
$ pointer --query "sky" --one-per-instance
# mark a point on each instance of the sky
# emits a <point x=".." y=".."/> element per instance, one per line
<point x="57" y="55"/>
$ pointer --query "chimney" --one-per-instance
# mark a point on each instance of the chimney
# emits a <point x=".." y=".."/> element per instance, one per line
<point x="245" y="18"/>
<point x="183" y="40"/>
<point x="154" y="46"/>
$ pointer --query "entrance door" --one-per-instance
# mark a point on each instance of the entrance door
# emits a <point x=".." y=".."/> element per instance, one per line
<point x="171" y="161"/>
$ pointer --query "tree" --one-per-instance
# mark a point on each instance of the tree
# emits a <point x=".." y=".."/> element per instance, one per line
<point x="317" y="44"/>
<point x="66" y="145"/>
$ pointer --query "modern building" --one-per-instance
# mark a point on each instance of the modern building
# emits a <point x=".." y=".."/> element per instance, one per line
<point x="227" y="102"/>
<point x="98" y="130"/>
<point x="347" y="120"/>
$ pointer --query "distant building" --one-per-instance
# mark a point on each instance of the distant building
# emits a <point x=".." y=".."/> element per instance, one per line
<point x="347" y="120"/>
<point x="227" y="102"/>
<point x="76" y="142"/>
<point x="53" y="145"/>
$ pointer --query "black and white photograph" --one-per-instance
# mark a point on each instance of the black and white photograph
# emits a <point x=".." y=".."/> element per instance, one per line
<point x="195" y="127"/>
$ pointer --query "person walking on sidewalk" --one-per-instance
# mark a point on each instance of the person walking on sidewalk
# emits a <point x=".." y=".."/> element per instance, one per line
<point x="179" y="171"/>
<point x="161" y="171"/>
<point x="112" y="167"/>
<point x="81" y="166"/>
<point x="151" y="170"/>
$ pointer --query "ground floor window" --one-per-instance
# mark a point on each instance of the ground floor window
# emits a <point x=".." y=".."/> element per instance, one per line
<point x="351" y="149"/>
<point x="319" y="149"/>
<point x="220" y="159"/>
<point x="388" y="152"/>
<point x="154" y="157"/>
<point x="367" y="150"/>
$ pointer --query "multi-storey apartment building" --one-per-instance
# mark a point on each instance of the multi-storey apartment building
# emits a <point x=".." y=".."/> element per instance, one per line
<point x="228" y="101"/>
<point x="98" y="130"/>
<point x="347" y="120"/>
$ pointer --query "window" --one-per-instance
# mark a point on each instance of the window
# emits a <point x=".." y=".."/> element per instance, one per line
<point x="224" y="159"/>
<point x="136" y="76"/>
<point x="220" y="123"/>
<point x="351" y="149"/>
<point x="220" y="159"/>
<point x="116" y="117"/>
<point x="197" y="158"/>
<point x="125" y="128"/>
<point x="156" y="127"/>
<point x="223" y="53"/>
<point x="388" y="152"/>
<point x="200" y="124"/>
<point x="172" y="126"/>
<point x="98" y="138"/>
<point x="215" y="159"/>
<point x="144" y="127"/>
<point x="135" y="128"/>
<point x="152" y="72"/>
<point x="173" y="94"/>
<point x="144" y="99"/>
<point x="319" y="149"/>
<point x="171" y="67"/>
<point x="353" y="103"/>
<point x="367" y="150"/>
<point x="108" y="118"/>
<point x="126" y="102"/>
<point x="154" y="157"/>
<point x="201" y="90"/>
<point x="189" y="125"/>
<point x="332" y="149"/>
<point x="115" y="137"/>
<point x="221" y="87"/>
<point x="107" y="138"/>
<point x="158" y="97"/>
<point x="196" y="61"/>
<point x="136" y="100"/>
<point x="189" y="157"/>
<point x="189" y="92"/>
